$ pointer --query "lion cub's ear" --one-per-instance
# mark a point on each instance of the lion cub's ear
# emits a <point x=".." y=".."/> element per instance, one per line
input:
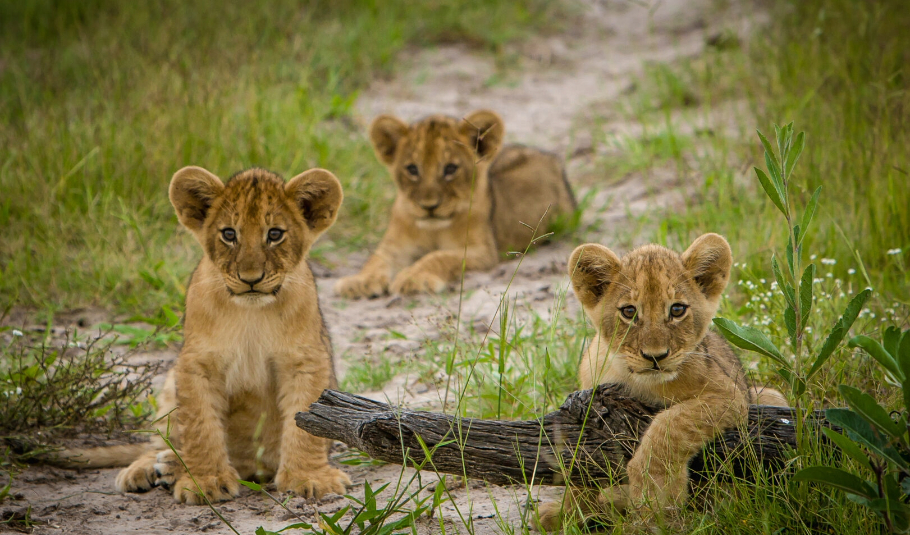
<point x="709" y="260"/>
<point x="485" y="130"/>
<point x="317" y="193"/>
<point x="192" y="192"/>
<point x="385" y="133"/>
<point x="592" y="268"/>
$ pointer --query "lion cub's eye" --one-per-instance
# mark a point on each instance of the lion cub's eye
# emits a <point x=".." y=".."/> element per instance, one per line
<point x="678" y="309"/>
<point x="229" y="235"/>
<point x="275" y="234"/>
<point x="450" y="169"/>
<point x="627" y="312"/>
<point x="412" y="169"/>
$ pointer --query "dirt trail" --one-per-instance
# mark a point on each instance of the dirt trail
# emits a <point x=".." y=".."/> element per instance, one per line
<point x="551" y="94"/>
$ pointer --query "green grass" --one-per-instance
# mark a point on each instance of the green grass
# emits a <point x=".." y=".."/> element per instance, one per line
<point x="101" y="102"/>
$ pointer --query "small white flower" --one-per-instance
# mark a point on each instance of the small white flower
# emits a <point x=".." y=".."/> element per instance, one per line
<point x="851" y="271"/>
<point x="18" y="390"/>
<point x="829" y="261"/>
<point x="893" y="252"/>
<point x="830" y="275"/>
<point x="761" y="281"/>
<point x="812" y="257"/>
<point x="17" y="332"/>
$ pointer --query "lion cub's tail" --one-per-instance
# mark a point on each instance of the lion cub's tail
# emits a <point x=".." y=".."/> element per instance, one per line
<point x="101" y="457"/>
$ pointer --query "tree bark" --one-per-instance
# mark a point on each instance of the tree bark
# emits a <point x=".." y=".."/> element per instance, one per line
<point x="589" y="438"/>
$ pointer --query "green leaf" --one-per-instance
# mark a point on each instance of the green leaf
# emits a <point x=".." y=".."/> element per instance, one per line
<point x="250" y="485"/>
<point x="891" y="340"/>
<point x="771" y="190"/>
<point x="776" y="179"/>
<point x="839" y="331"/>
<point x="750" y="339"/>
<point x="790" y="258"/>
<point x="904" y="349"/>
<point x="793" y="154"/>
<point x="876" y="351"/>
<point x="805" y="294"/>
<point x="866" y="406"/>
<point x="837" y="478"/>
<point x="171" y="317"/>
<point x="849" y="447"/>
<point x="903" y="359"/>
<point x="767" y="144"/>
<point x="810" y="212"/>
<point x="790" y="321"/>
<point x="784" y="285"/>
<point x="861" y="431"/>
<point x="298" y="525"/>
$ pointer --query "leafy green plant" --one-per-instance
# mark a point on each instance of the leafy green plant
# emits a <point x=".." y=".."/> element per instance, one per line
<point x="878" y="441"/>
<point x="794" y="281"/>
<point x="78" y="384"/>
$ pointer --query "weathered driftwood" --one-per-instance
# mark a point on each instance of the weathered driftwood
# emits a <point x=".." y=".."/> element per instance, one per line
<point x="506" y="452"/>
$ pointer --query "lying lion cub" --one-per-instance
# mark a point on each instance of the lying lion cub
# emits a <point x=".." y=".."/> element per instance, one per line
<point x="460" y="199"/>
<point x="256" y="350"/>
<point x="652" y="310"/>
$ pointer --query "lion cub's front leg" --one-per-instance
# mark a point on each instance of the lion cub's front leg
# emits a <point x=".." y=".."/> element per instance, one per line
<point x="658" y="472"/>
<point x="202" y="437"/>
<point x="304" y="467"/>
<point x="433" y="272"/>
<point x="372" y="281"/>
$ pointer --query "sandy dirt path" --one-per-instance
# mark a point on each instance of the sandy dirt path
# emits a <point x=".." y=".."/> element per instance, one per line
<point x="552" y="94"/>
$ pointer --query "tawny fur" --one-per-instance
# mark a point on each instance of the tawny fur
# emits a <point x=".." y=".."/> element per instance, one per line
<point x="460" y="199"/>
<point x="256" y="349"/>
<point x="667" y="360"/>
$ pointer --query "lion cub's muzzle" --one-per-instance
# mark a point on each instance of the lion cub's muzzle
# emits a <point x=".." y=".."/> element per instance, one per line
<point x="249" y="288"/>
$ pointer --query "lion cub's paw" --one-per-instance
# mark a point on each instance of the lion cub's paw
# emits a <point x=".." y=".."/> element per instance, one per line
<point x="549" y="517"/>
<point x="313" y="483"/>
<point x="362" y="285"/>
<point x="216" y="488"/>
<point x="138" y="476"/>
<point x="166" y="469"/>
<point x="411" y="281"/>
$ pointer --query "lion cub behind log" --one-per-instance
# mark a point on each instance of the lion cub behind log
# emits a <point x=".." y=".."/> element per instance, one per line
<point x="460" y="201"/>
<point x="652" y="310"/>
<point x="256" y="350"/>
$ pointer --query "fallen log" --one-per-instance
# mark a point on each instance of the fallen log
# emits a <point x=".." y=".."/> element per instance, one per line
<point x="593" y="434"/>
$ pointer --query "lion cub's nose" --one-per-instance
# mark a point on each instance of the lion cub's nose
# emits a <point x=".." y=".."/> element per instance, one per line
<point x="251" y="278"/>
<point x="429" y="206"/>
<point x="655" y="357"/>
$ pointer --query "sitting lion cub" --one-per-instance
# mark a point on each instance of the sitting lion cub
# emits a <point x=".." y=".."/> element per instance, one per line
<point x="652" y="310"/>
<point x="460" y="199"/>
<point x="256" y="350"/>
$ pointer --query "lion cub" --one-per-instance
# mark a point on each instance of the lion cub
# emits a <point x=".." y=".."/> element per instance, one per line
<point x="256" y="350"/>
<point x="652" y="310"/>
<point x="460" y="199"/>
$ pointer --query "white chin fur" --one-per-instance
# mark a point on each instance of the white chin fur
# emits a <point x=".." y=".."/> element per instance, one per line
<point x="433" y="224"/>
<point x="655" y="377"/>
<point x="254" y="300"/>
